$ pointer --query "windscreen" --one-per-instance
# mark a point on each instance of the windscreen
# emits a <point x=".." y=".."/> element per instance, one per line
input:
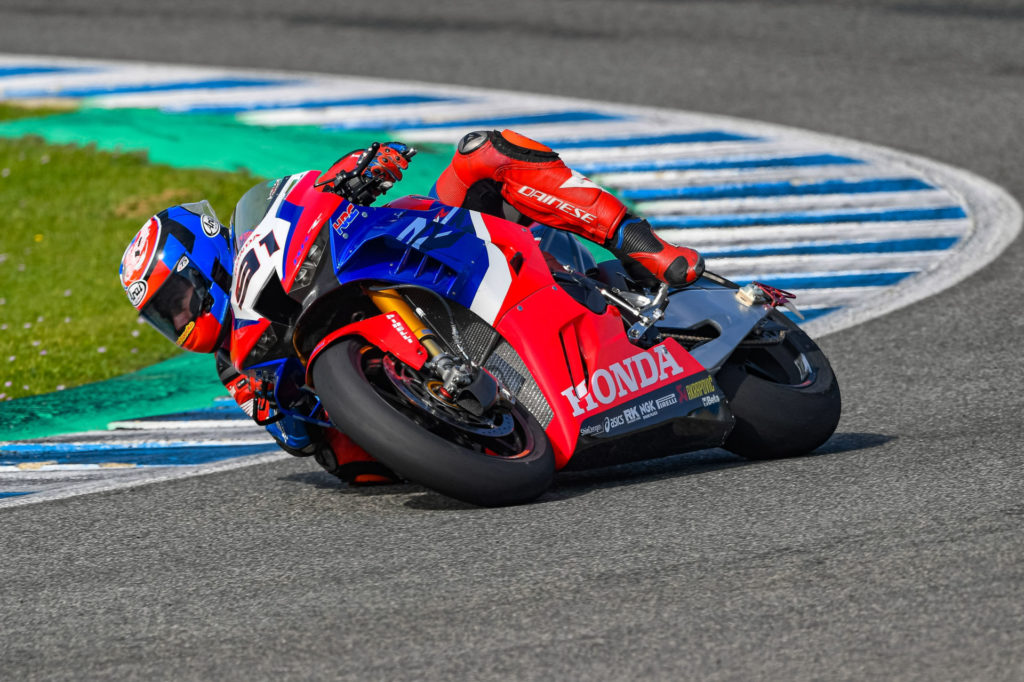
<point x="251" y="208"/>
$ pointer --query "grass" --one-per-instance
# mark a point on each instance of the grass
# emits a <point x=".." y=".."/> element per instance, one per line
<point x="66" y="215"/>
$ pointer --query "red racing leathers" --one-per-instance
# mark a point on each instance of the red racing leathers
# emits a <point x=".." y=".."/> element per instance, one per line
<point x="533" y="179"/>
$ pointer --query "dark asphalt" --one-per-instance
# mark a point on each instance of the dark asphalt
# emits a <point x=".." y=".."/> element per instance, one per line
<point x="895" y="553"/>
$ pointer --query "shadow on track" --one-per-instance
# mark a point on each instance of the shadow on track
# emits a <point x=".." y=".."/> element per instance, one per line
<point x="572" y="484"/>
<point x="576" y="483"/>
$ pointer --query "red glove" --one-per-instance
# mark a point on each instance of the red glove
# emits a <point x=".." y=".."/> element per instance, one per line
<point x="244" y="389"/>
<point x="389" y="163"/>
<point x="377" y="176"/>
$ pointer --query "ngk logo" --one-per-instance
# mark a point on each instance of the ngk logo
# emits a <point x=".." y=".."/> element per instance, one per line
<point x="621" y="379"/>
<point x="549" y="200"/>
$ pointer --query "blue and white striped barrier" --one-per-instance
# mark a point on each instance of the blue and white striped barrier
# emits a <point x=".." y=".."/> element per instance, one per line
<point x="855" y="230"/>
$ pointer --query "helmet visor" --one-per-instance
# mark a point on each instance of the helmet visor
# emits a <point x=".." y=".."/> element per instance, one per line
<point x="182" y="298"/>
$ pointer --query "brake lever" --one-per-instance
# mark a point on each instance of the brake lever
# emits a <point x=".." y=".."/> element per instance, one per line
<point x="366" y="158"/>
<point x="352" y="185"/>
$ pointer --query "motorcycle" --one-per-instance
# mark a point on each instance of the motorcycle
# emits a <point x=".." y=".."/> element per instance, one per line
<point x="477" y="356"/>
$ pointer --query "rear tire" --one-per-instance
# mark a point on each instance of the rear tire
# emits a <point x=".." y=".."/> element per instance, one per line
<point x="780" y="412"/>
<point x="402" y="436"/>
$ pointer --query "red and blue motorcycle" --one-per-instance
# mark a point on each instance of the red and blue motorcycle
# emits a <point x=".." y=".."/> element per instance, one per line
<point x="478" y="357"/>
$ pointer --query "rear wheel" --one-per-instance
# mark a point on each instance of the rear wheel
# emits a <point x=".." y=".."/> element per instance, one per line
<point x="396" y="413"/>
<point x="785" y="396"/>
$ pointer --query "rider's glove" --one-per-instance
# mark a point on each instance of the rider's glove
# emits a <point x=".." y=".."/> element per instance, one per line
<point x="364" y="174"/>
<point x="388" y="164"/>
<point x="252" y="395"/>
<point x="243" y="390"/>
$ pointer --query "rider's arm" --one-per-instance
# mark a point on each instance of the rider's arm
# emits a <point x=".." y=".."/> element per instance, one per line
<point x="291" y="434"/>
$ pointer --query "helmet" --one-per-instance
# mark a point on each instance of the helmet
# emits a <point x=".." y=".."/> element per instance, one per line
<point x="177" y="274"/>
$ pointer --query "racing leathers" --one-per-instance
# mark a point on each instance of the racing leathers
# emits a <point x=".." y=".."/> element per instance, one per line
<point x="510" y="175"/>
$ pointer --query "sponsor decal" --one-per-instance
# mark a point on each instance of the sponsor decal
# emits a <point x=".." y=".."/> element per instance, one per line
<point x="137" y="292"/>
<point x="343" y="221"/>
<point x="665" y="401"/>
<point x="138" y="257"/>
<point x="614" y="422"/>
<point x="210" y="226"/>
<point x="399" y="325"/>
<point x="622" y="379"/>
<point x="710" y="400"/>
<point x="553" y="201"/>
<point x="189" y="328"/>
<point x="578" y="180"/>
<point x="642" y="410"/>
<point x="182" y="264"/>
<point x="635" y="413"/>
<point x="700" y="388"/>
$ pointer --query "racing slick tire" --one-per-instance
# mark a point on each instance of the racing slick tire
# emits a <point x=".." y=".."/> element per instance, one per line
<point x="482" y="471"/>
<point x="785" y="397"/>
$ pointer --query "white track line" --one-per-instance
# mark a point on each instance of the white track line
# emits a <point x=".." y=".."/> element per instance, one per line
<point x="759" y="235"/>
<point x="763" y="266"/>
<point x="140" y="476"/>
<point x="783" y="204"/>
<point x="705" y="177"/>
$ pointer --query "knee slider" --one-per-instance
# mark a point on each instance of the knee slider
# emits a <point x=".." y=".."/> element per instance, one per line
<point x="472" y="141"/>
<point x="507" y="143"/>
<point x="521" y="148"/>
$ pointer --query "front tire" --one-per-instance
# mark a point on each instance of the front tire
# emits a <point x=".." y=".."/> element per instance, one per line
<point x="478" y="469"/>
<point x="785" y="397"/>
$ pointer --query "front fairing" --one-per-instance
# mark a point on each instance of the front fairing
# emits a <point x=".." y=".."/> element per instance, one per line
<point x="556" y="347"/>
<point x="482" y="262"/>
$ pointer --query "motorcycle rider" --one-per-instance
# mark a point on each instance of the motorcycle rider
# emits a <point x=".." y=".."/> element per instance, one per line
<point x="177" y="269"/>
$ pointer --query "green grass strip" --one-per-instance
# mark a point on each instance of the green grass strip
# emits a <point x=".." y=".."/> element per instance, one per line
<point x="220" y="143"/>
<point x="68" y="212"/>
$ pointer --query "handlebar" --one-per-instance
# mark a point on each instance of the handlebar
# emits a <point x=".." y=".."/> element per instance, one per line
<point x="356" y="185"/>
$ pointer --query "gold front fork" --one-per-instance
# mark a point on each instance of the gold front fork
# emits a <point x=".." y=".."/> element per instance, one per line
<point x="390" y="301"/>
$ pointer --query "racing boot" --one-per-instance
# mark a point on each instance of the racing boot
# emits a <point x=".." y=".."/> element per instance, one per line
<point x="532" y="179"/>
<point x="635" y="244"/>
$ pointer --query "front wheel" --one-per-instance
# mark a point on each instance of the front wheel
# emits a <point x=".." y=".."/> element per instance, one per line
<point x="785" y="396"/>
<point x="393" y="412"/>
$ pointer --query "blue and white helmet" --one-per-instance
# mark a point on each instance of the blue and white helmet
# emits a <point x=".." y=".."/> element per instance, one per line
<point x="177" y="274"/>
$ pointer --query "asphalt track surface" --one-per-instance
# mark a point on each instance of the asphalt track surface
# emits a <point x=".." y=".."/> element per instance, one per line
<point x="896" y="552"/>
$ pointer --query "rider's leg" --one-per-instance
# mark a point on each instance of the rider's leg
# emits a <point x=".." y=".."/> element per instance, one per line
<point x="534" y="180"/>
